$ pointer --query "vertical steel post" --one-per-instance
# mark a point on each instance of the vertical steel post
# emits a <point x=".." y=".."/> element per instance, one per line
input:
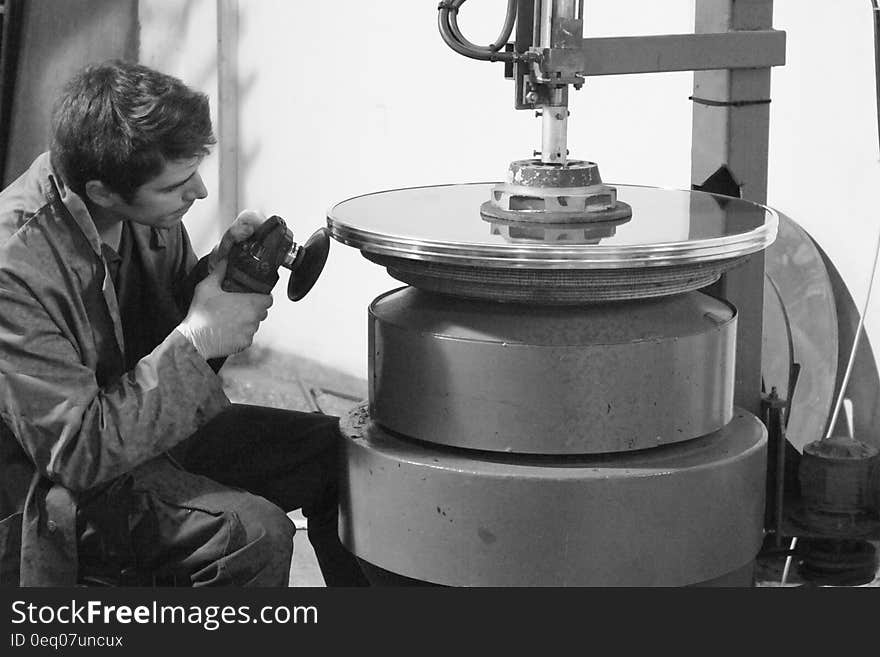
<point x="731" y="126"/>
<point x="11" y="13"/>
<point x="554" y="113"/>
<point x="227" y="110"/>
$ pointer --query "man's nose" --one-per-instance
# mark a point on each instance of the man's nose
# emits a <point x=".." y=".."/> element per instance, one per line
<point x="195" y="189"/>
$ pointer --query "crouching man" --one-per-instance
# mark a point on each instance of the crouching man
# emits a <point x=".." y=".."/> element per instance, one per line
<point x="121" y="459"/>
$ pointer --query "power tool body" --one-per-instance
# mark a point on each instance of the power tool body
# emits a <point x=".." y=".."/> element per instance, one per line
<point x="253" y="263"/>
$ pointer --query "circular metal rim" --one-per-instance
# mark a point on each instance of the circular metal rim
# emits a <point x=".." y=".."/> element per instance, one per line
<point x="585" y="256"/>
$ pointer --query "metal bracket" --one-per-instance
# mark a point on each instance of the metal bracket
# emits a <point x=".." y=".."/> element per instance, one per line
<point x="720" y="182"/>
<point x="773" y="409"/>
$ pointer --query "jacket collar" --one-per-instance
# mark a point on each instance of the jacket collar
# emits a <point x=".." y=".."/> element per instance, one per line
<point x="56" y="190"/>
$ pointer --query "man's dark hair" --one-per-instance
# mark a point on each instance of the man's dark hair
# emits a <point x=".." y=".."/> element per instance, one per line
<point x="119" y="122"/>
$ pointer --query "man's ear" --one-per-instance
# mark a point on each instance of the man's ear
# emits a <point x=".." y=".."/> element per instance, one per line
<point x="100" y="194"/>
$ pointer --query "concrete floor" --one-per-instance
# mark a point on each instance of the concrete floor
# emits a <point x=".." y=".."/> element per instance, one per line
<point x="268" y="378"/>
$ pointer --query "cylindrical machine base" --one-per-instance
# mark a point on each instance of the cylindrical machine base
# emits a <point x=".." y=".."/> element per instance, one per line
<point x="674" y="515"/>
<point x="532" y="380"/>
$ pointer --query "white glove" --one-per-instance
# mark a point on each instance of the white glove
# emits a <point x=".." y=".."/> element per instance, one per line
<point x="223" y="323"/>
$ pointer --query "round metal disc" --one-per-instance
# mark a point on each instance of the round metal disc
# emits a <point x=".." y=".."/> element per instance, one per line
<point x="810" y="320"/>
<point x="800" y="326"/>
<point x="442" y="224"/>
<point x="310" y="263"/>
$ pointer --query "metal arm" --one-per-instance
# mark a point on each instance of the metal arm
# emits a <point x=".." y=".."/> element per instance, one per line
<point x="558" y="56"/>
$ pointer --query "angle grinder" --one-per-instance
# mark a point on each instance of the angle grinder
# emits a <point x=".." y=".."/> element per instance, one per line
<point x="253" y="263"/>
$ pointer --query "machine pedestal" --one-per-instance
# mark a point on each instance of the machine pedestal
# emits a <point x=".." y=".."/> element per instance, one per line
<point x="513" y="445"/>
<point x="670" y="516"/>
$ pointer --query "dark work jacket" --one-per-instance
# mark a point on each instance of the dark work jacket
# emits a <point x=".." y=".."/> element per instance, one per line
<point x="72" y="419"/>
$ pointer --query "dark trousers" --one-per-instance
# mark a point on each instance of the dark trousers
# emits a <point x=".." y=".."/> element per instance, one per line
<point x="214" y="513"/>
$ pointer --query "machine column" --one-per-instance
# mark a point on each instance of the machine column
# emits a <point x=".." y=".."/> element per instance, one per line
<point x="731" y="125"/>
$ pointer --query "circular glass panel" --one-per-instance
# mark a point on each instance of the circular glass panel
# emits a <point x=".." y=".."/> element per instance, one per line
<point x="443" y="224"/>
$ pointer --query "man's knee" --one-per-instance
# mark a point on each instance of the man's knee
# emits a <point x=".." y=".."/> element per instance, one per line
<point x="270" y="522"/>
<point x="265" y="546"/>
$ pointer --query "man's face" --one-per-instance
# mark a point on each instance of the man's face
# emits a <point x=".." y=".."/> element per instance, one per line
<point x="162" y="201"/>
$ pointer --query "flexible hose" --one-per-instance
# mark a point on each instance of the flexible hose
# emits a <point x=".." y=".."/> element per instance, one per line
<point x="852" y="353"/>
<point x="446" y="11"/>
<point x="503" y="37"/>
<point x="788" y="562"/>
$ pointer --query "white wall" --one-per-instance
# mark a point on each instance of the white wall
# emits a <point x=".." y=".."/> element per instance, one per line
<point x="824" y="170"/>
<point x="354" y="96"/>
<point x="180" y="38"/>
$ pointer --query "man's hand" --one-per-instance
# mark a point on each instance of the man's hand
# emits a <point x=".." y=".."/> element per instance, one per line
<point x="243" y="227"/>
<point x="223" y="323"/>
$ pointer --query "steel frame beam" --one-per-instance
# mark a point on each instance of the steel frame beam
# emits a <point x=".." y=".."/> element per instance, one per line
<point x="671" y="52"/>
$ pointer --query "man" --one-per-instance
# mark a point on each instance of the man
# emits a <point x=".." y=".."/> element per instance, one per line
<point x="121" y="459"/>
